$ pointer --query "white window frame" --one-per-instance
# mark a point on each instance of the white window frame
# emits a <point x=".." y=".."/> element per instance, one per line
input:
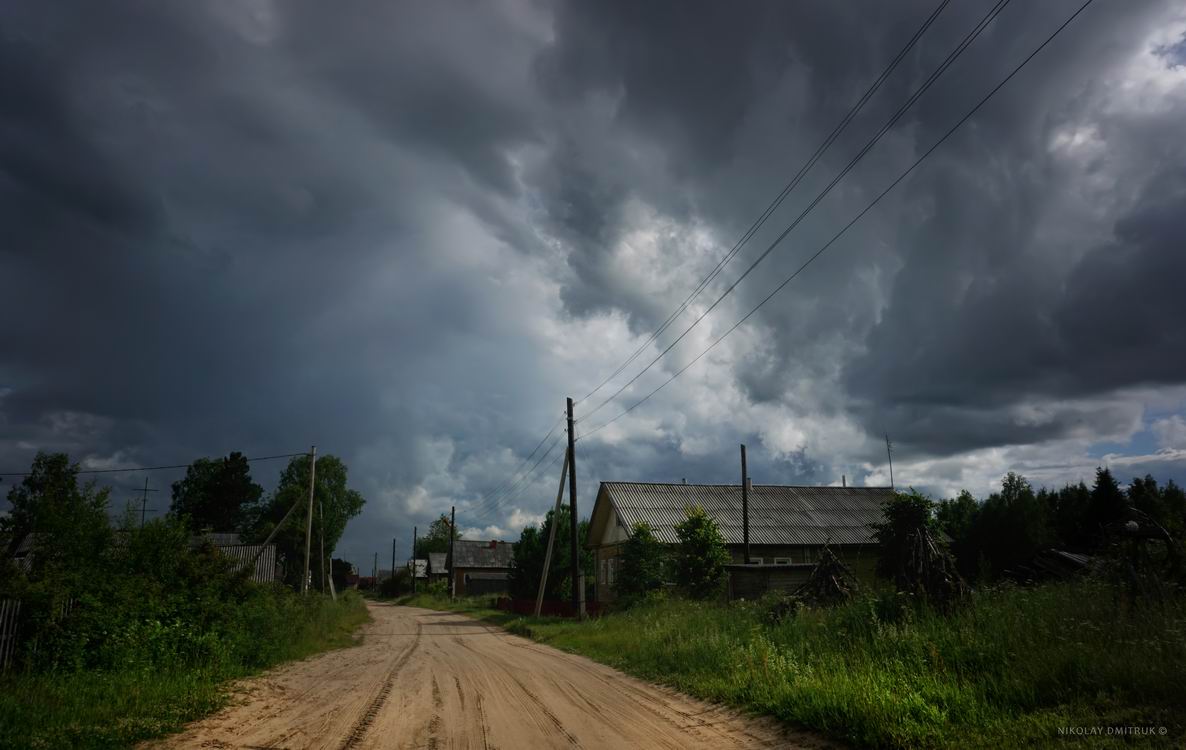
<point x="782" y="561"/>
<point x="757" y="560"/>
<point x="610" y="579"/>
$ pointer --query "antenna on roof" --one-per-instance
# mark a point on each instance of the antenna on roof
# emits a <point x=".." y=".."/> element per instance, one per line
<point x="889" y="452"/>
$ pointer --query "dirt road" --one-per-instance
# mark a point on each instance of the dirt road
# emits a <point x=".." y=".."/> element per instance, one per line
<point x="426" y="679"/>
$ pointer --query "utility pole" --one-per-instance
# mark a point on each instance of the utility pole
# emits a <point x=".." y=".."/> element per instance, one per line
<point x="309" y="517"/>
<point x="393" y="562"/>
<point x="543" y="579"/>
<point x="744" y="505"/>
<point x="414" y="559"/>
<point x="452" y="536"/>
<point x="572" y="509"/>
<point x="889" y="452"/>
<point x="375" y="571"/>
<point x="321" y="528"/>
<point x="144" y="501"/>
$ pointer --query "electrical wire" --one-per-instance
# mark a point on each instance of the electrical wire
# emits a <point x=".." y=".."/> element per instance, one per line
<point x="856" y="218"/>
<point x="151" y="468"/>
<point x="777" y="202"/>
<point x="885" y="128"/>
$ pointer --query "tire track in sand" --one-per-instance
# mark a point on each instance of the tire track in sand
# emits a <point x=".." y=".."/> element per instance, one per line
<point x="359" y="730"/>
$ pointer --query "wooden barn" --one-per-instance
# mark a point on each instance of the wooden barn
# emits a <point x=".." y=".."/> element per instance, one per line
<point x="788" y="526"/>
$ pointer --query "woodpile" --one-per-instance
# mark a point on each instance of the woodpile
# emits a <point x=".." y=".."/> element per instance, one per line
<point x="929" y="572"/>
<point x="831" y="582"/>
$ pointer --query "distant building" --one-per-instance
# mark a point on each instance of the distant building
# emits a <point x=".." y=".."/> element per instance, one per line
<point x="788" y="526"/>
<point x="481" y="567"/>
<point x="421" y="567"/>
<point x="437" y="569"/>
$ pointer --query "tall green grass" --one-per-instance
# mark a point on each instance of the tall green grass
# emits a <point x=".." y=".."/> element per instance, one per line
<point x="1008" y="670"/>
<point x="169" y="673"/>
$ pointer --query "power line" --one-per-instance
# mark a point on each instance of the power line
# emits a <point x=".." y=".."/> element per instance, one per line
<point x="774" y="205"/>
<point x="511" y="478"/>
<point x="484" y="511"/>
<point x="552" y="463"/>
<point x="150" y="468"/>
<point x="885" y="128"/>
<point x="495" y="497"/>
<point x="856" y="218"/>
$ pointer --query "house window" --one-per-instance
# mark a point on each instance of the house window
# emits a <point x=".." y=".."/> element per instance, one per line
<point x="604" y="565"/>
<point x="610" y="580"/>
<point x="782" y="561"/>
<point x="757" y="560"/>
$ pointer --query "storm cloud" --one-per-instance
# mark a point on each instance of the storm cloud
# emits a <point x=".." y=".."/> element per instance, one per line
<point x="406" y="231"/>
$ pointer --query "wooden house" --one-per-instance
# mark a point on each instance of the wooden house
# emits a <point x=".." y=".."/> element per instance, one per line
<point x="788" y="525"/>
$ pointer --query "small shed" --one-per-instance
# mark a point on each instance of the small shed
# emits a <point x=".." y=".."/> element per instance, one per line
<point x="437" y="569"/>
<point x="481" y="567"/>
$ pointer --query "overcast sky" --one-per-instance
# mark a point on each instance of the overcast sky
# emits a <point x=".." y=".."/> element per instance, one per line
<point x="406" y="231"/>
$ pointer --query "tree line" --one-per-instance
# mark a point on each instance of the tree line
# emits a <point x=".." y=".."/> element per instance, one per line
<point x="989" y="538"/>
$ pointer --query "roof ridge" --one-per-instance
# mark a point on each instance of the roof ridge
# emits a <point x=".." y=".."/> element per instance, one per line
<point x="788" y="486"/>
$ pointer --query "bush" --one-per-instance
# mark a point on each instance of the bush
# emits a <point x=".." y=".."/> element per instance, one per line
<point x="643" y="558"/>
<point x="700" y="556"/>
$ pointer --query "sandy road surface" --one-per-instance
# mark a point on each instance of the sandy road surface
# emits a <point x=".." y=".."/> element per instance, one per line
<point x="427" y="679"/>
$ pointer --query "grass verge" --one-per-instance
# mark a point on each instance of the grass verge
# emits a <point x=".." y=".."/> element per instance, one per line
<point x="117" y="708"/>
<point x="1048" y="666"/>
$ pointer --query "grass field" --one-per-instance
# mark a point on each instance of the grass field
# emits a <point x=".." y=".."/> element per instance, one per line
<point x="117" y="708"/>
<point x="1009" y="670"/>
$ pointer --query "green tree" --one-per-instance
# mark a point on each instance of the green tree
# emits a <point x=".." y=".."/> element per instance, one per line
<point x="956" y="518"/>
<point x="334" y="504"/>
<point x="643" y="558"/>
<point x="700" y="555"/>
<point x="527" y="562"/>
<point x="1011" y="527"/>
<point x="216" y="492"/>
<point x="69" y="520"/>
<point x="1107" y="505"/>
<point x="437" y="538"/>
<point x="904" y="515"/>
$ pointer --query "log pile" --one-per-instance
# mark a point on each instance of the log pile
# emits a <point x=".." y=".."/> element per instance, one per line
<point x="929" y="572"/>
<point x="831" y="582"/>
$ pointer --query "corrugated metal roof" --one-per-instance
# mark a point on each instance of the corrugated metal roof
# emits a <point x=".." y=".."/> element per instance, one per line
<point x="777" y="514"/>
<point x="474" y="553"/>
<point x="265" y="567"/>
<point x="218" y="539"/>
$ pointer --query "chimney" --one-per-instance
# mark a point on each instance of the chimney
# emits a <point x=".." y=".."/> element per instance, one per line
<point x="683" y="481"/>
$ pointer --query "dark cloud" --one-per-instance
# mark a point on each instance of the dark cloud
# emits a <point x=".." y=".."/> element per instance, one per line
<point x="406" y="231"/>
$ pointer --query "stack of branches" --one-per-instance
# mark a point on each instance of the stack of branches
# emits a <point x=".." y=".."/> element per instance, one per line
<point x="1144" y="560"/>
<point x="929" y="572"/>
<point x="831" y="582"/>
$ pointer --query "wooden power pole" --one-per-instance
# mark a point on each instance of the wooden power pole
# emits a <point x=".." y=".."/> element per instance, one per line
<point x="144" y="501"/>
<point x="574" y="544"/>
<point x="744" y="505"/>
<point x="309" y="518"/>
<point x="543" y="578"/>
<point x="393" y="563"/>
<point x="889" y="454"/>
<point x="413" y="559"/>
<point x="452" y="536"/>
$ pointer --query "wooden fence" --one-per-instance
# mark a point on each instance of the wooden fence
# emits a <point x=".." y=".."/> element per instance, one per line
<point x="10" y="623"/>
<point x="10" y="613"/>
